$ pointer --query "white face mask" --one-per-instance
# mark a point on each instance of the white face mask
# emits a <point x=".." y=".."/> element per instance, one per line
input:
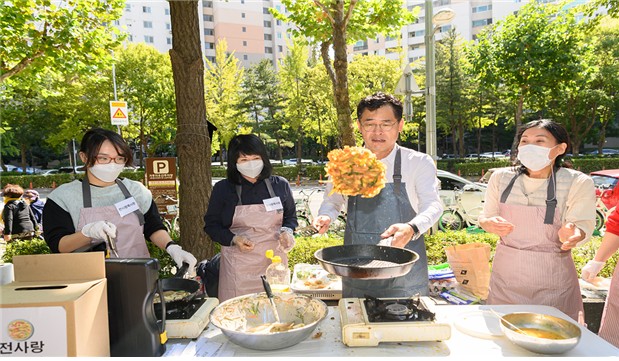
<point x="107" y="172"/>
<point x="251" y="168"/>
<point x="534" y="157"/>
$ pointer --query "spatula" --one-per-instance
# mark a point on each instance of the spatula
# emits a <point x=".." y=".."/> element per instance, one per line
<point x="267" y="289"/>
<point x="507" y="322"/>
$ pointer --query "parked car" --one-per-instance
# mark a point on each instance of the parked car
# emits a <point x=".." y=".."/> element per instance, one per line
<point x="448" y="156"/>
<point x="606" y="181"/>
<point x="70" y="170"/>
<point x="450" y="182"/>
<point x="293" y="162"/>
<point x="604" y="151"/>
<point x="493" y="154"/>
<point x="49" y="172"/>
<point x="9" y="168"/>
<point x="472" y="155"/>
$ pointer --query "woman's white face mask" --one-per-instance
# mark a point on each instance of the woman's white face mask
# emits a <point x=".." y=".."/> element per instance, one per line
<point x="106" y="172"/>
<point x="250" y="169"/>
<point x="535" y="157"/>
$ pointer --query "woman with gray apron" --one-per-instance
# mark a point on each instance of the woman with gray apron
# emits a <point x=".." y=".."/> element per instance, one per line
<point x="540" y="211"/>
<point x="249" y="213"/>
<point x="103" y="207"/>
<point x="367" y="219"/>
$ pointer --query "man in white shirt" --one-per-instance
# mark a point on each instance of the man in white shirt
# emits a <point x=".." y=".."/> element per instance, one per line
<point x="406" y="208"/>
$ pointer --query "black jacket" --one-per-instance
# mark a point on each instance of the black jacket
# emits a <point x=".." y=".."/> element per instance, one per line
<point x="18" y="217"/>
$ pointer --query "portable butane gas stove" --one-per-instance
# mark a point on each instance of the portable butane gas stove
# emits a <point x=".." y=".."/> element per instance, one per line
<point x="187" y="319"/>
<point x="366" y="322"/>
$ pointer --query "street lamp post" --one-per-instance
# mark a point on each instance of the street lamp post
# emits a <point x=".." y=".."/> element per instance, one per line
<point x="441" y="17"/>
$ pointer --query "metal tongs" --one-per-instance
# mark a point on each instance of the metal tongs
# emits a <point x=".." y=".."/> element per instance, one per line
<point x="267" y="289"/>
<point x="112" y="244"/>
<point x="306" y="231"/>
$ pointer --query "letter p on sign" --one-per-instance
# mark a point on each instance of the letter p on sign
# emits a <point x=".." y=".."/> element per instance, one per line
<point x="161" y="166"/>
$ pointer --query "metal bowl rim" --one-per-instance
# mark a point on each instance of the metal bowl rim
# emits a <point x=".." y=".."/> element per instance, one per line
<point x="399" y="265"/>
<point x="531" y="338"/>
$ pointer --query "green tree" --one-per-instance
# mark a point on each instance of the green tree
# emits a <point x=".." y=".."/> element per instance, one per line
<point x="144" y="81"/>
<point x="337" y="23"/>
<point x="222" y="91"/>
<point x="526" y="52"/>
<point x="73" y="37"/>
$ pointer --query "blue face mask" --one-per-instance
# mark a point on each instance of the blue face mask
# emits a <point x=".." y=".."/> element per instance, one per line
<point x="250" y="169"/>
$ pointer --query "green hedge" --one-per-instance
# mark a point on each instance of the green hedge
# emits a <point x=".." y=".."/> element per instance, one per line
<point x="47" y="181"/>
<point x="289" y="173"/>
<point x="314" y="172"/>
<point x="477" y="168"/>
<point x="305" y="247"/>
<point x="588" y="165"/>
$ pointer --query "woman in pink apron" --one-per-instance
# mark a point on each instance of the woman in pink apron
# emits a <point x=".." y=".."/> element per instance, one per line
<point x="101" y="207"/>
<point x="540" y="211"/>
<point x="249" y="213"/>
<point x="609" y="328"/>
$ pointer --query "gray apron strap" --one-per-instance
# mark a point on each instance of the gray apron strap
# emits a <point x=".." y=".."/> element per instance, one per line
<point x="551" y="199"/>
<point x="88" y="197"/>
<point x="397" y="173"/>
<point x="239" y="189"/>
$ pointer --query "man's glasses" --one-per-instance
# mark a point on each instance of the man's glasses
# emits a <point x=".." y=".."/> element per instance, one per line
<point x="368" y="127"/>
<point x="106" y="160"/>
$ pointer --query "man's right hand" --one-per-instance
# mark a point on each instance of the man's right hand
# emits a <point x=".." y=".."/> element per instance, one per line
<point x="321" y="223"/>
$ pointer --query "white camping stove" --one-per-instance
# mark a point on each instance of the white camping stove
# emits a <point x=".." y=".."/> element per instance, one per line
<point x="366" y="322"/>
<point x="193" y="326"/>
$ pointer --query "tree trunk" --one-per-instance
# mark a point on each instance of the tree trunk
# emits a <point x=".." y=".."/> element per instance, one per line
<point x="606" y="116"/>
<point x="299" y="145"/>
<point x="338" y="72"/>
<point x="193" y="143"/>
<point x="455" y="140"/>
<point x="518" y="122"/>
<point x="221" y="150"/>
<point x="461" y="139"/>
<point x="142" y="142"/>
<point x="22" y="150"/>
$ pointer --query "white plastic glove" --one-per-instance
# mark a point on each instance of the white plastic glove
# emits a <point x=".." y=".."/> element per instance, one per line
<point x="99" y="230"/>
<point x="179" y="256"/>
<point x="591" y="270"/>
<point x="285" y="239"/>
<point x="244" y="244"/>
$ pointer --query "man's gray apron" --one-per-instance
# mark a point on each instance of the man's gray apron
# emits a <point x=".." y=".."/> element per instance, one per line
<point x="368" y="218"/>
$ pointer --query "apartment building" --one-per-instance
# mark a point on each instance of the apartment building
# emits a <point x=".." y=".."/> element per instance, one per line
<point x="471" y="18"/>
<point x="249" y="28"/>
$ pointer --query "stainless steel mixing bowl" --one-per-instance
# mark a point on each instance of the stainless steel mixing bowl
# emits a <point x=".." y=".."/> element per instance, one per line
<point x="566" y="329"/>
<point x="239" y="314"/>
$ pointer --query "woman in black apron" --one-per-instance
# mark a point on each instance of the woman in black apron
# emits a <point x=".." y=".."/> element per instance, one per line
<point x="104" y="207"/>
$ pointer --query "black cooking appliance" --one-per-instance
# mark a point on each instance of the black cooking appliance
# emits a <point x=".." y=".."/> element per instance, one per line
<point x="395" y="310"/>
<point x="178" y="310"/>
<point x="132" y="285"/>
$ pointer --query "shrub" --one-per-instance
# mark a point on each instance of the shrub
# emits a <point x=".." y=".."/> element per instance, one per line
<point x="314" y="172"/>
<point x="305" y="247"/>
<point x="289" y="173"/>
<point x="221" y="172"/>
<point x="23" y="248"/>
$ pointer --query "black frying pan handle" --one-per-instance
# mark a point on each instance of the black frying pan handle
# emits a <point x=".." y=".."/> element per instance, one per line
<point x="267" y="287"/>
<point x="181" y="271"/>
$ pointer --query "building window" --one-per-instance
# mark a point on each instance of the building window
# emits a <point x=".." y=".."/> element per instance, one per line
<point x="474" y="36"/>
<point x="167" y="11"/>
<point x="243" y="15"/>
<point x="130" y="37"/>
<point x="149" y="39"/>
<point x="242" y="1"/>
<point x="482" y="22"/>
<point x="209" y="45"/>
<point x="211" y="59"/>
<point x="280" y="48"/>
<point x="207" y="17"/>
<point x="146" y="9"/>
<point x="413" y="34"/>
<point x="265" y="11"/>
<point x="267" y="37"/>
<point x="360" y="45"/>
<point x="392" y="38"/>
<point x="129" y="22"/>
<point x="267" y="24"/>
<point x="207" y="4"/>
<point x="128" y="7"/>
<point x="209" y="32"/>
<point x="279" y="22"/>
<point x="244" y="43"/>
<point x="169" y="40"/>
<point x="268" y="50"/>
<point x="279" y="8"/>
<point x="414" y="46"/>
<point x="116" y="22"/>
<point x="420" y="20"/>
<point x="168" y="26"/>
<point x="148" y="24"/>
<point x="279" y="35"/>
<point x="244" y="29"/>
<point x="480" y="9"/>
<point x="441" y="2"/>
<point x="445" y="28"/>
<point x="244" y="57"/>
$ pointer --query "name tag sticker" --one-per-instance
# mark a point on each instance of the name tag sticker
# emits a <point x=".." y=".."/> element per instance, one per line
<point x="127" y="206"/>
<point x="273" y="204"/>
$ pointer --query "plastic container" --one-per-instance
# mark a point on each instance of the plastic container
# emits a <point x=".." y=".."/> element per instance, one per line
<point x="304" y="272"/>
<point x="277" y="274"/>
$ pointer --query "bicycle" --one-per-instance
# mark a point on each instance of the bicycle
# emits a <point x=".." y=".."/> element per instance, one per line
<point x="172" y="210"/>
<point x="456" y="217"/>
<point x="305" y="217"/>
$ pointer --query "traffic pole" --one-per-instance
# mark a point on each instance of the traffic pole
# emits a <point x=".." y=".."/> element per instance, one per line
<point x="298" y="180"/>
<point x="460" y="175"/>
<point x="54" y="185"/>
<point x="30" y="185"/>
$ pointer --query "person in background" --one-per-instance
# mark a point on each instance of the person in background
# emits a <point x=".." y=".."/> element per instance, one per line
<point x="103" y="207"/>
<point x="406" y="208"/>
<point x="250" y="212"/>
<point x="19" y="221"/>
<point x="35" y="204"/>
<point x="609" y="327"/>
<point x="541" y="211"/>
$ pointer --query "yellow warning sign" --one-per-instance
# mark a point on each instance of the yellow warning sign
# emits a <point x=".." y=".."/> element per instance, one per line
<point x="118" y="113"/>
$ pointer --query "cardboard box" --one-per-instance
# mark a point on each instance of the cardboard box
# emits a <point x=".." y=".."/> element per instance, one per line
<point x="57" y="306"/>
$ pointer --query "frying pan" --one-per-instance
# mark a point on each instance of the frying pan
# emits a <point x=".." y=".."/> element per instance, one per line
<point x="366" y="261"/>
<point x="177" y="283"/>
